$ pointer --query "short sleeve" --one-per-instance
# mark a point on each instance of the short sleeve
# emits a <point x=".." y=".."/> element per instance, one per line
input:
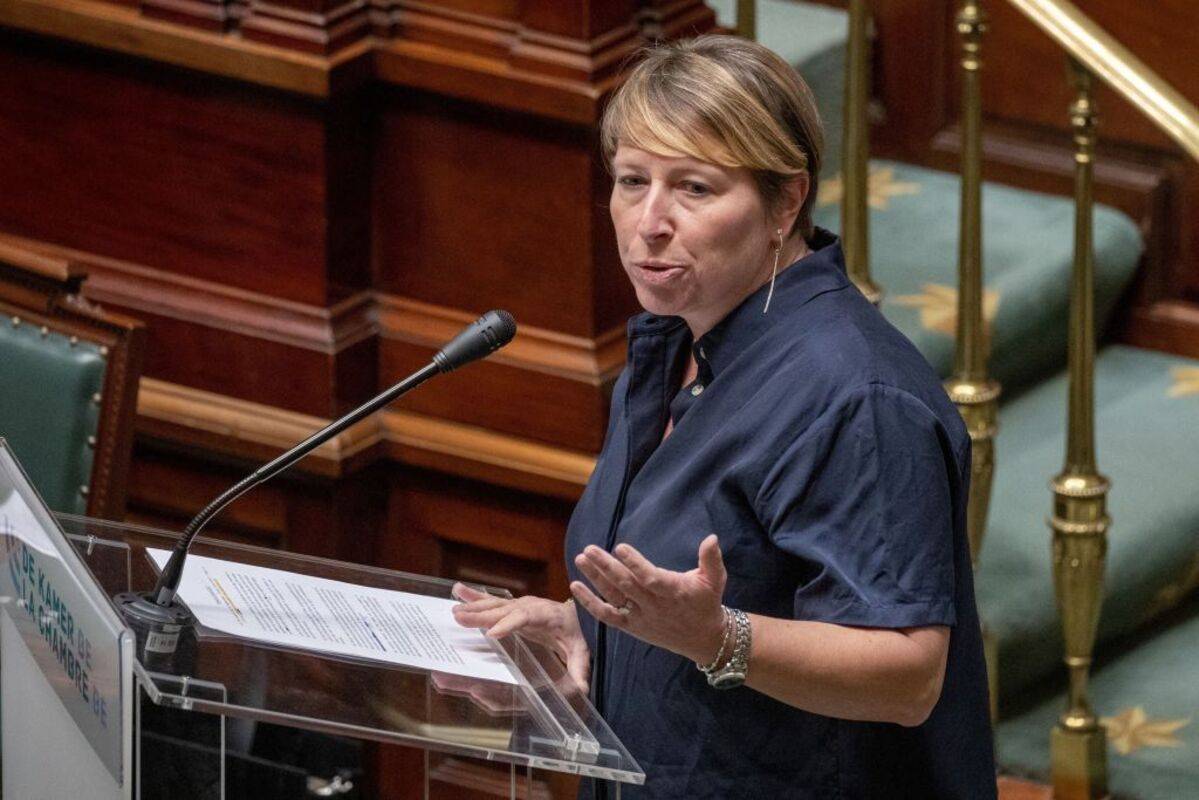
<point x="864" y="496"/>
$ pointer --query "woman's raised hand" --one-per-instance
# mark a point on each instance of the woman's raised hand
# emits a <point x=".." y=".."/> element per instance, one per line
<point x="680" y="611"/>
<point x="555" y="625"/>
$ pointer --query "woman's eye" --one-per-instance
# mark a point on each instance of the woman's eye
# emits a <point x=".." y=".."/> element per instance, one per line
<point x="630" y="180"/>
<point x="696" y="189"/>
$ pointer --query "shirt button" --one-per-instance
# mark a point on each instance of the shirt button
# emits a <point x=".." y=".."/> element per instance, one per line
<point x="697" y="390"/>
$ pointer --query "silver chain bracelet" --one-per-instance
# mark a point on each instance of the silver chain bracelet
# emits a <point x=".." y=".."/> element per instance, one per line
<point x="708" y="669"/>
<point x="733" y="673"/>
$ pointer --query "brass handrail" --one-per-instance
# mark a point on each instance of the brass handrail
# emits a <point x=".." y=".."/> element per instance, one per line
<point x="1115" y="64"/>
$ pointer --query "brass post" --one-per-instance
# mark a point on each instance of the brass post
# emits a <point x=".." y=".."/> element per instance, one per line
<point x="747" y="19"/>
<point x="855" y="223"/>
<point x="1078" y="747"/>
<point x="976" y="395"/>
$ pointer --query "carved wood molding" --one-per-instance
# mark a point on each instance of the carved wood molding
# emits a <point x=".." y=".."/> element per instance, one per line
<point x="242" y="422"/>
<point x="209" y="15"/>
<point x="326" y="341"/>
<point x="252" y="430"/>
<point x="479" y="453"/>
<point x="315" y="48"/>
<point x="124" y="30"/>
<point x="1169" y="325"/>
<point x="167" y="294"/>
<point x="667" y="19"/>
<point x="593" y="362"/>
<point x="332" y="329"/>
<point x="334" y="27"/>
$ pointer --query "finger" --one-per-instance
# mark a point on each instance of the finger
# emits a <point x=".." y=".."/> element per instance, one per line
<point x="460" y="591"/>
<point x="509" y="623"/>
<point x="578" y="666"/>
<point x="609" y="574"/>
<point x="606" y="589"/>
<point x="597" y="607"/>
<point x="484" y="604"/>
<point x="711" y="562"/>
<point x="479" y="619"/>
<point x="647" y="576"/>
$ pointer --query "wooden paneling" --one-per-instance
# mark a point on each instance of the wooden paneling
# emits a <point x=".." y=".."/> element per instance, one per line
<point x="523" y="530"/>
<point x="119" y="29"/>
<point x="503" y="201"/>
<point x="166" y="489"/>
<point x="567" y="413"/>
<point x="315" y="26"/>
<point x="204" y="177"/>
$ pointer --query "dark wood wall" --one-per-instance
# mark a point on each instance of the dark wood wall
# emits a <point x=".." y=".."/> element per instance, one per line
<point x="302" y="212"/>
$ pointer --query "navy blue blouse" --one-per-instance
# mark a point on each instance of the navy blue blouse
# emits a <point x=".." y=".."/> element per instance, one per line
<point x="821" y="448"/>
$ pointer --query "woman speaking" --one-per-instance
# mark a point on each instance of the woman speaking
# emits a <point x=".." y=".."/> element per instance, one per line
<point x="772" y="587"/>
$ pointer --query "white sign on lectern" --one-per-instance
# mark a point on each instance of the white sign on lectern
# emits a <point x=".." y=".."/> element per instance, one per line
<point x="65" y="672"/>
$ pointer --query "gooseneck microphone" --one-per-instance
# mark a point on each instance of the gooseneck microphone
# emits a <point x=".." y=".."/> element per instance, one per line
<point x="489" y="333"/>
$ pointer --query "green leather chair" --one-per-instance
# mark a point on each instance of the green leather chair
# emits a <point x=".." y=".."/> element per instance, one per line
<point x="68" y="383"/>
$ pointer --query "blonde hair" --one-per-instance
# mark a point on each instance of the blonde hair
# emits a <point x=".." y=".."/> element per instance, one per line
<point x="726" y="101"/>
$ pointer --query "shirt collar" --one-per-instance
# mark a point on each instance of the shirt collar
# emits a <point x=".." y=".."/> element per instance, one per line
<point x="820" y="271"/>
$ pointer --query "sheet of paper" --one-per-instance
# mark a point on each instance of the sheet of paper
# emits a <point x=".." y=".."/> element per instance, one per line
<point x="288" y="608"/>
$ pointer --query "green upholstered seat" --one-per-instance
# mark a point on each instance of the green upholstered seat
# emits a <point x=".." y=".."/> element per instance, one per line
<point x="47" y="409"/>
<point x="1147" y="692"/>
<point x="69" y="374"/>
<point x="1028" y="246"/>
<point x="1147" y="443"/>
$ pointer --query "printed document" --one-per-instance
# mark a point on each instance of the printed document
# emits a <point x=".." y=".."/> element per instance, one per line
<point x="287" y="608"/>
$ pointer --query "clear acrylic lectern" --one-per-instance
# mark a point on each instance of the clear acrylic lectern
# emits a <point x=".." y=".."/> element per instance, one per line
<point x="78" y="695"/>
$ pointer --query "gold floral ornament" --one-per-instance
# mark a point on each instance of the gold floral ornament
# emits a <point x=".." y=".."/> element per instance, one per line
<point x="1132" y="729"/>
<point x="1186" y="381"/>
<point x="938" y="306"/>
<point x="881" y="186"/>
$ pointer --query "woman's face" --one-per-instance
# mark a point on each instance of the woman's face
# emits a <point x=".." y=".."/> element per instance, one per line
<point x="695" y="238"/>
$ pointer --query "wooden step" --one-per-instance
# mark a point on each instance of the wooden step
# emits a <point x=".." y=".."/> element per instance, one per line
<point x="1018" y="789"/>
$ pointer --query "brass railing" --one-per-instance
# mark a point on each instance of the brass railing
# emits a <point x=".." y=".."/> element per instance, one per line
<point x="970" y="388"/>
<point x="855" y="154"/>
<point x="1115" y="65"/>
<point x="1079" y="521"/>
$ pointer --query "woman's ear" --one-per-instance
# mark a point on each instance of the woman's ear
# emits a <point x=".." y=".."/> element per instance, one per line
<point x="791" y="199"/>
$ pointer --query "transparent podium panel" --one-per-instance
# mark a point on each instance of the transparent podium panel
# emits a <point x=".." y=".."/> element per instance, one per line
<point x="66" y="693"/>
<point x="537" y="721"/>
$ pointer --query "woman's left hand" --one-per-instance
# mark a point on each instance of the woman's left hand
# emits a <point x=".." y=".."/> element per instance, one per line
<point x="680" y="611"/>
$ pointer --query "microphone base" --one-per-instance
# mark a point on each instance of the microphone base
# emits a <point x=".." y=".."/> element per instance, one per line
<point x="164" y="634"/>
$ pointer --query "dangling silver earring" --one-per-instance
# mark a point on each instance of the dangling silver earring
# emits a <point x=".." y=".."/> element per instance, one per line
<point x="777" y="252"/>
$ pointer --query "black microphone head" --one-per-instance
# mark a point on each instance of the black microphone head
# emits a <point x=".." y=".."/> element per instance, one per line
<point x="482" y="337"/>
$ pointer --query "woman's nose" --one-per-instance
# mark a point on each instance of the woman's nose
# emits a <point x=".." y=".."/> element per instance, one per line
<point x="656" y="219"/>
